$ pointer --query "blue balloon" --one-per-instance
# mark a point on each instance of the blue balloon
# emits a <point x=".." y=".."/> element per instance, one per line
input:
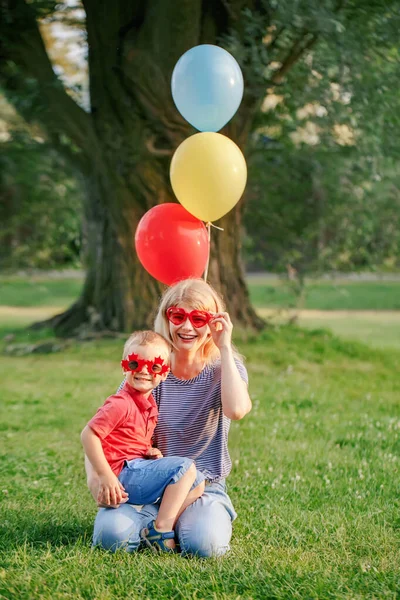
<point x="207" y="87"/>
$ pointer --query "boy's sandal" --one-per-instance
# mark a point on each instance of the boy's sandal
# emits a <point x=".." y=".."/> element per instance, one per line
<point x="155" y="540"/>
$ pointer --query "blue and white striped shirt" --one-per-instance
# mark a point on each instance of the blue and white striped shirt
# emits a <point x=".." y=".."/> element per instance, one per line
<point x="191" y="422"/>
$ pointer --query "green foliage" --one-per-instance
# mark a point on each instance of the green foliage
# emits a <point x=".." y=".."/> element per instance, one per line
<point x="41" y="206"/>
<point x="324" y="176"/>
<point x="314" y="479"/>
<point x="321" y="210"/>
<point x="282" y="213"/>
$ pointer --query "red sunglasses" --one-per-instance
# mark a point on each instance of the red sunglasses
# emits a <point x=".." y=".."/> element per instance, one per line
<point x="133" y="363"/>
<point x="198" y="318"/>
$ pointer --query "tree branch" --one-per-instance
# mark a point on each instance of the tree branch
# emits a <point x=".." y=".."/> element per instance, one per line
<point x="294" y="54"/>
<point x="23" y="45"/>
<point x="151" y="147"/>
<point x="275" y="39"/>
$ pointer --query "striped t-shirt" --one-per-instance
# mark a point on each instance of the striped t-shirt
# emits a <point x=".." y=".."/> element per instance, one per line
<point x="191" y="422"/>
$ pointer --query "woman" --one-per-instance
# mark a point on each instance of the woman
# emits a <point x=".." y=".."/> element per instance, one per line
<point x="206" y="388"/>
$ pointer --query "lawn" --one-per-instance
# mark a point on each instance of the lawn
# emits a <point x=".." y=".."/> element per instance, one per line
<point x="314" y="480"/>
<point x="326" y="294"/>
<point x="328" y="304"/>
<point x="39" y="291"/>
<point x="321" y="294"/>
<point x="368" y="311"/>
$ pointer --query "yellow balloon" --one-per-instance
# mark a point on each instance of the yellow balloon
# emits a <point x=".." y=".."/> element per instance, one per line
<point x="208" y="175"/>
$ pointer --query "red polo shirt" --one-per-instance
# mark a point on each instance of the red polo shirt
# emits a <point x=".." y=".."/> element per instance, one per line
<point x="125" y="425"/>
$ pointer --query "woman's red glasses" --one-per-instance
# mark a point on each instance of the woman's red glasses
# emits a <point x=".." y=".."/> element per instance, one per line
<point x="198" y="318"/>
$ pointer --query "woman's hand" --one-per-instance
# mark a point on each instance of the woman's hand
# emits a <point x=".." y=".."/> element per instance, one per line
<point x="221" y="330"/>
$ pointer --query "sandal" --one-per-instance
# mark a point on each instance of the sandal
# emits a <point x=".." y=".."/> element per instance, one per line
<point x="155" y="540"/>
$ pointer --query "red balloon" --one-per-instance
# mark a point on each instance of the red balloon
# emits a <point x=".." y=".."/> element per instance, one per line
<point x="171" y="243"/>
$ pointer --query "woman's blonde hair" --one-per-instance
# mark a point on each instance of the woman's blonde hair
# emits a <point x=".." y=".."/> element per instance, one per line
<point x="199" y="295"/>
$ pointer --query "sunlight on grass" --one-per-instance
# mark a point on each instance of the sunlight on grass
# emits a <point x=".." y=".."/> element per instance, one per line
<point x="25" y="300"/>
<point x="326" y="294"/>
<point x="381" y="330"/>
<point x="39" y="291"/>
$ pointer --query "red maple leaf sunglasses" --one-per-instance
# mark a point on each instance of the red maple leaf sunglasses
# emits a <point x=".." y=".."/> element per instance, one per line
<point x="198" y="318"/>
<point x="134" y="363"/>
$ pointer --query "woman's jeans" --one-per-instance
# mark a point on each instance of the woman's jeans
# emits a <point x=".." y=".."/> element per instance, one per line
<point x="204" y="528"/>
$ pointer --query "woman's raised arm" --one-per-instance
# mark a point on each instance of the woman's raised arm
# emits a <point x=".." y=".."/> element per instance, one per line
<point x="235" y="398"/>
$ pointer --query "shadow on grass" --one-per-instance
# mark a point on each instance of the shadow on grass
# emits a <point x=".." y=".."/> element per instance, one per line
<point x="24" y="334"/>
<point x="41" y="528"/>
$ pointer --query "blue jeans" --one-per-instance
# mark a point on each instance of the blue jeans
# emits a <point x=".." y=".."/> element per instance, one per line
<point x="145" y="480"/>
<point x="204" y="528"/>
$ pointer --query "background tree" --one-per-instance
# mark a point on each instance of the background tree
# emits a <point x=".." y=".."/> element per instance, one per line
<point x="40" y="200"/>
<point x="325" y="193"/>
<point x="123" y="145"/>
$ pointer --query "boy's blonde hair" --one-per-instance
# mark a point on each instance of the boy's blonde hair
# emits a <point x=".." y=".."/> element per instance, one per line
<point x="145" y="338"/>
<point x="199" y="295"/>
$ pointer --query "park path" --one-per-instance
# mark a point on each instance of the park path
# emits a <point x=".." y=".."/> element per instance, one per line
<point x="43" y="312"/>
<point x="26" y="312"/>
<point x="250" y="277"/>
<point x="332" y="314"/>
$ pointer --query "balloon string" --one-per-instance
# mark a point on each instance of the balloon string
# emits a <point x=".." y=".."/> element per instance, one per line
<point x="208" y="226"/>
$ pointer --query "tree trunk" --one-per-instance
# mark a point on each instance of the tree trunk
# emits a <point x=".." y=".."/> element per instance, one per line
<point x="119" y="295"/>
<point x="226" y="272"/>
<point x="138" y="129"/>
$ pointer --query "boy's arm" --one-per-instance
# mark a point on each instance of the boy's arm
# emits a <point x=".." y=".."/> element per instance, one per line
<point x="109" y="487"/>
<point x="92" y="479"/>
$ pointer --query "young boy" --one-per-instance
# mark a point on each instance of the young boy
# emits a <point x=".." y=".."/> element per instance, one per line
<point x="117" y="441"/>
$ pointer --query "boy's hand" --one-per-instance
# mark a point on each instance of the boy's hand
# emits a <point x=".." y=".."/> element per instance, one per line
<point x="154" y="453"/>
<point x="124" y="499"/>
<point x="111" y="492"/>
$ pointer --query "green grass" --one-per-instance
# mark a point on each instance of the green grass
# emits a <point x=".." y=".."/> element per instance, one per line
<point x="314" y="480"/>
<point x="327" y="294"/>
<point x="38" y="297"/>
<point x="380" y="331"/>
<point x="39" y="291"/>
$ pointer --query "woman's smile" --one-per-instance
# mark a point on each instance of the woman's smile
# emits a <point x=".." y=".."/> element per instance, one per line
<point x="187" y="336"/>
